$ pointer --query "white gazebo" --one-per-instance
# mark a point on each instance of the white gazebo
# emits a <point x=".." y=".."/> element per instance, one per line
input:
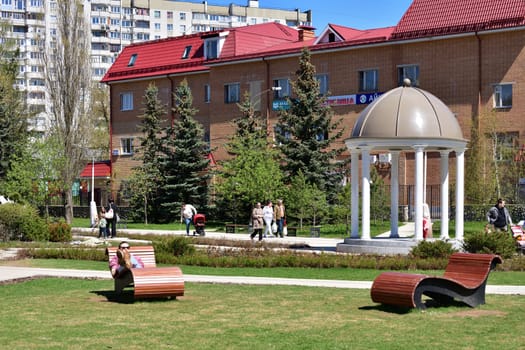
<point x="406" y="119"/>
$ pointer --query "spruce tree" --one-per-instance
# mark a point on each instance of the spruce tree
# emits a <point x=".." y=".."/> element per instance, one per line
<point x="306" y="132"/>
<point x="185" y="158"/>
<point x="146" y="179"/>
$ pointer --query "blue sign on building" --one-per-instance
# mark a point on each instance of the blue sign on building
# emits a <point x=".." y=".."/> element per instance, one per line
<point x="278" y="105"/>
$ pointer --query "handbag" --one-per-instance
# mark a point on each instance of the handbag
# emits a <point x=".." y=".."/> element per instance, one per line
<point x="109" y="214"/>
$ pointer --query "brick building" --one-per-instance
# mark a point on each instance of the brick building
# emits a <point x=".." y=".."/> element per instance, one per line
<point x="470" y="54"/>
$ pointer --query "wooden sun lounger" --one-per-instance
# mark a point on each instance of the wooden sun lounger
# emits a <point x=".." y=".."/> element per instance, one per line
<point x="150" y="281"/>
<point x="465" y="279"/>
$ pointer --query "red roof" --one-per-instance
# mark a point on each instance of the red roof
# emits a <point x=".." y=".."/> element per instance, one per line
<point x="423" y="18"/>
<point x="102" y="170"/>
<point x="441" y="17"/>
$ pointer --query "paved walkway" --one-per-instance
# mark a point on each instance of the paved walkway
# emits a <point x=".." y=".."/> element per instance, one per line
<point x="8" y="273"/>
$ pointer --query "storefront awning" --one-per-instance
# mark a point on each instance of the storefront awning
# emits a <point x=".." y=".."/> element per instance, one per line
<point x="102" y="170"/>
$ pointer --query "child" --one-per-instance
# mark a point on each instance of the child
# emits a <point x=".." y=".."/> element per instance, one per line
<point x="102" y="223"/>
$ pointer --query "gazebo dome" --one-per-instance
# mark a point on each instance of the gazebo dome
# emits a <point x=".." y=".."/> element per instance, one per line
<point x="407" y="113"/>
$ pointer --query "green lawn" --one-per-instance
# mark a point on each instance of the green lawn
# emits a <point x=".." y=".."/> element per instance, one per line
<point x="58" y="313"/>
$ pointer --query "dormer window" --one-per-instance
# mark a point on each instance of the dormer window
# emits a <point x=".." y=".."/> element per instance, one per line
<point x="186" y="53"/>
<point x="211" y="48"/>
<point x="132" y="60"/>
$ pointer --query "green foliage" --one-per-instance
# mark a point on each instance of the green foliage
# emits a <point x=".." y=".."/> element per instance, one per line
<point x="305" y="201"/>
<point x="173" y="246"/>
<point x="253" y="173"/>
<point x="501" y="243"/>
<point x="33" y="174"/>
<point x="22" y="222"/>
<point x="380" y="197"/>
<point x="59" y="232"/>
<point x="432" y="249"/>
<point x="146" y="179"/>
<point x="306" y="133"/>
<point x="13" y="116"/>
<point x="185" y="159"/>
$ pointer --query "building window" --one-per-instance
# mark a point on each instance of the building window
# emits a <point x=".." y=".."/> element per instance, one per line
<point x="504" y="145"/>
<point x="126" y="101"/>
<point x="169" y="27"/>
<point x="211" y="49"/>
<point x="132" y="60"/>
<point x="126" y="146"/>
<point x="409" y="71"/>
<point x="169" y="14"/>
<point x="232" y="93"/>
<point x="156" y="14"/>
<point x="323" y="83"/>
<point x="186" y="52"/>
<point x="182" y="16"/>
<point x="368" y="80"/>
<point x="503" y="96"/>
<point x="207" y="93"/>
<point x="281" y="88"/>
<point x="157" y="26"/>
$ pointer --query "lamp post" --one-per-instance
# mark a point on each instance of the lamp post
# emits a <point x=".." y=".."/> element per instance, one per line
<point x="92" y="204"/>
<point x="273" y="88"/>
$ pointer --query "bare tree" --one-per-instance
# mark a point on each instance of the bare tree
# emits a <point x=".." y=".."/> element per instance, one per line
<point x="68" y="83"/>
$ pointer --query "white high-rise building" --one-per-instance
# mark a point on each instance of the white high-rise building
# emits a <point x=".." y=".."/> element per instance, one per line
<point x="117" y="23"/>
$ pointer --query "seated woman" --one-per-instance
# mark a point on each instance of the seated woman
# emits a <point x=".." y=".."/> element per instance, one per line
<point x="123" y="261"/>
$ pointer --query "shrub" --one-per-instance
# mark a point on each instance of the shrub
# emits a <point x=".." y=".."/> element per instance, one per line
<point x="432" y="249"/>
<point x="176" y="246"/>
<point x="500" y="243"/>
<point x="22" y="222"/>
<point x="59" y="232"/>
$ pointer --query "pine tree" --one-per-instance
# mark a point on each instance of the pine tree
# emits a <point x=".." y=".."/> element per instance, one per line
<point x="185" y="158"/>
<point x="146" y="180"/>
<point x="306" y="132"/>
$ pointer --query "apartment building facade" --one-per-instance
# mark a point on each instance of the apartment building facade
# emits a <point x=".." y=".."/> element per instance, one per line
<point x="116" y="24"/>
<point x="472" y="58"/>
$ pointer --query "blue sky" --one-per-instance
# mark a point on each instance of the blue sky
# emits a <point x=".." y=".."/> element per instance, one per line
<point x="363" y="14"/>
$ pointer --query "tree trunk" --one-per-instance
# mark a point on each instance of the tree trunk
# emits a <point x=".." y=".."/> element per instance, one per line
<point x="69" y="206"/>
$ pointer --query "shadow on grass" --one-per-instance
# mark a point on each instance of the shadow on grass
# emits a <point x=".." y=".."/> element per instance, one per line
<point x="126" y="297"/>
<point x="401" y="310"/>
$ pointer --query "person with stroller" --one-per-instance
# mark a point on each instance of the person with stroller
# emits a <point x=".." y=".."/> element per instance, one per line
<point x="186" y="214"/>
<point x="257" y="222"/>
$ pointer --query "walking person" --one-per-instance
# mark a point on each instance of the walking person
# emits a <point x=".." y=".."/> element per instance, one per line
<point x="186" y="214"/>
<point x="498" y="216"/>
<point x="111" y="216"/>
<point x="279" y="217"/>
<point x="257" y="221"/>
<point x="268" y="217"/>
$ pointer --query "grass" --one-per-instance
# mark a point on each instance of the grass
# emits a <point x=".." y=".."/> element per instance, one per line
<point x="57" y="313"/>
<point x="495" y="277"/>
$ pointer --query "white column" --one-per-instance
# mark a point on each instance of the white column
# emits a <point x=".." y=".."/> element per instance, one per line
<point x="355" y="193"/>
<point x="418" y="198"/>
<point x="365" y="206"/>
<point x="444" y="195"/>
<point x="460" y="193"/>
<point x="394" y="195"/>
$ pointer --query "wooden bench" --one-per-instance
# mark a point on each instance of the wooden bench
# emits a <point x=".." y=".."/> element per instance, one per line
<point x="292" y="231"/>
<point x="231" y="228"/>
<point x="150" y="281"/>
<point x="465" y="279"/>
